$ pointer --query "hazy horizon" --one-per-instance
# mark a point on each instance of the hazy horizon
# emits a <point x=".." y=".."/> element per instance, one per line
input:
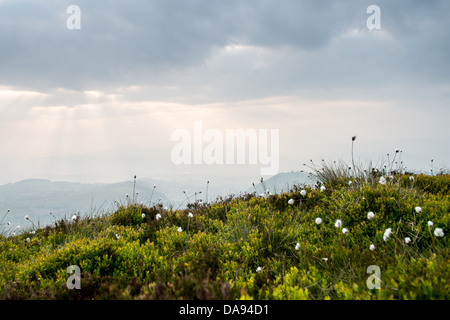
<point x="37" y="198"/>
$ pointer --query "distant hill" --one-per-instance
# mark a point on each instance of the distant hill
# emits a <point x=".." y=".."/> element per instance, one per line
<point x="38" y="197"/>
<point x="282" y="182"/>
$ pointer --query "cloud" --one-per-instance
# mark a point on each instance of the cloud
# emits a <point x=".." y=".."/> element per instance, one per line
<point x="169" y="43"/>
<point x="139" y="69"/>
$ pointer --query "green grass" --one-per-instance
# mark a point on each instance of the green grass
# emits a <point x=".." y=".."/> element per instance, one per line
<point x="126" y="255"/>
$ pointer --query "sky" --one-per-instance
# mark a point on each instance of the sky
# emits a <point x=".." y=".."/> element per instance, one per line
<point x="101" y="103"/>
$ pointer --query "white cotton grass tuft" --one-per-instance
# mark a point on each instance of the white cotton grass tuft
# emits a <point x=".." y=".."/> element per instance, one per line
<point x="297" y="246"/>
<point x="382" y="180"/>
<point x="344" y="230"/>
<point x="303" y="192"/>
<point x="179" y="229"/>
<point x="117" y="236"/>
<point x="258" y="270"/>
<point x="430" y="223"/>
<point x="407" y="240"/>
<point x="322" y="188"/>
<point x="143" y="215"/>
<point x="291" y="201"/>
<point x="158" y="216"/>
<point x="372" y="247"/>
<point x="190" y="215"/>
<point x="418" y="209"/>
<point x="387" y="234"/>
<point x="370" y="215"/>
<point x="438" y="232"/>
<point x="74" y="217"/>
<point x="26" y="218"/>
<point x="338" y="223"/>
<point x="318" y="220"/>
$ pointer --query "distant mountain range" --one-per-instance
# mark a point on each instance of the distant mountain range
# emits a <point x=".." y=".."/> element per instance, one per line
<point x="37" y="197"/>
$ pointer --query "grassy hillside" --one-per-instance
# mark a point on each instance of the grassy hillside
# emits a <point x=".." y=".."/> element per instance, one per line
<point x="250" y="247"/>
